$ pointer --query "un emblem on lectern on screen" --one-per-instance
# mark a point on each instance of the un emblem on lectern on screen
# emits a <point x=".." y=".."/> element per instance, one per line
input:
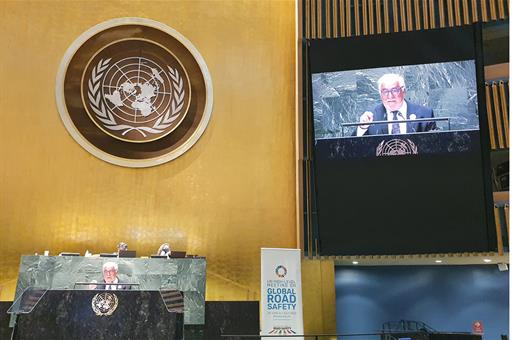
<point x="134" y="92"/>
<point x="396" y="147"/>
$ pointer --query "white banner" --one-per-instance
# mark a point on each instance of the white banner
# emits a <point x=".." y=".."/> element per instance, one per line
<point x="281" y="293"/>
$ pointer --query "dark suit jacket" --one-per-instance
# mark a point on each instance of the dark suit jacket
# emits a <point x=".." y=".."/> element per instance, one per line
<point x="379" y="113"/>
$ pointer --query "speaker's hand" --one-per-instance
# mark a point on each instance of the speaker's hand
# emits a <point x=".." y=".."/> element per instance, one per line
<point x="366" y="117"/>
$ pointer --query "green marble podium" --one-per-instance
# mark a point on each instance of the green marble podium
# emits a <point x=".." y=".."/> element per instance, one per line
<point x="63" y="272"/>
<point x="84" y="315"/>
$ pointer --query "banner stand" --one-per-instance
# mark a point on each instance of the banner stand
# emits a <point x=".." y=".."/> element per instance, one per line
<point x="281" y="293"/>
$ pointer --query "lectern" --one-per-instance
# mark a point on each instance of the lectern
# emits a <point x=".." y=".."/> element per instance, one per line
<point x="98" y="314"/>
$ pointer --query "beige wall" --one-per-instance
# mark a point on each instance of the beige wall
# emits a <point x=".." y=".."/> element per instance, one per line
<point x="231" y="194"/>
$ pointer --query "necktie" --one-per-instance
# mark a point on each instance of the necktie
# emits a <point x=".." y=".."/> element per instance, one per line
<point x="395" y="127"/>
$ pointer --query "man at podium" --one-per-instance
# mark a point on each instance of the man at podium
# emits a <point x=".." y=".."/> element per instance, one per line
<point x="394" y="109"/>
<point x="110" y="279"/>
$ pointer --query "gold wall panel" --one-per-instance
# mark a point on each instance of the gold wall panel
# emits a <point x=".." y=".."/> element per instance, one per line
<point x="319" y="297"/>
<point x="229" y="195"/>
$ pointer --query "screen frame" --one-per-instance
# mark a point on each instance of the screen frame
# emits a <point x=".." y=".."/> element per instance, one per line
<point x="330" y="63"/>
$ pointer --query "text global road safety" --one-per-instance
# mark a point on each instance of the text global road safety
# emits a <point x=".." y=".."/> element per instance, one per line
<point x="281" y="299"/>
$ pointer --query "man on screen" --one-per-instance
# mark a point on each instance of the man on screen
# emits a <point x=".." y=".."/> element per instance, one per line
<point x="395" y="108"/>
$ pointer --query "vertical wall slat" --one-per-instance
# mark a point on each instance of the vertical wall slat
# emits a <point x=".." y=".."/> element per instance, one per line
<point x="489" y="116"/>
<point x="371" y="28"/>
<point x="348" y="18"/>
<point x="409" y="15"/>
<point x="314" y="13"/>
<point x="499" y="236"/>
<point x="403" y="21"/>
<point x="474" y="10"/>
<point x="483" y="6"/>
<point x="313" y="17"/>
<point x="458" y="20"/>
<point x="386" y="16"/>
<point x="379" y="17"/>
<point x="406" y="16"/>
<point x="441" y="14"/>
<point x="394" y="6"/>
<point x="328" y="17"/>
<point x="357" y="19"/>
<point x="308" y="16"/>
<point x="492" y="7"/>
<point x="335" y="19"/>
<point x="342" y="18"/>
<point x="319" y="33"/>
<point x="449" y="7"/>
<point x="501" y="9"/>
<point x="497" y="115"/>
<point x="504" y="111"/>
<point x="365" y="17"/>
<point x="417" y="14"/>
<point x="465" y="12"/>
<point x="425" y="15"/>
<point x="432" y="14"/>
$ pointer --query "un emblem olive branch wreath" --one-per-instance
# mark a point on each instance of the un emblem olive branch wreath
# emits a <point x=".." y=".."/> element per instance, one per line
<point x="107" y="118"/>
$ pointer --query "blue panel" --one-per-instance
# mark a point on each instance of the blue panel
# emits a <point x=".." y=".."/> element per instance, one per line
<point x="447" y="298"/>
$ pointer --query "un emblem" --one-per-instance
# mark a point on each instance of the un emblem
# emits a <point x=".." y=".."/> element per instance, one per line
<point x="134" y="92"/>
<point x="104" y="304"/>
<point x="135" y="99"/>
<point x="396" y="147"/>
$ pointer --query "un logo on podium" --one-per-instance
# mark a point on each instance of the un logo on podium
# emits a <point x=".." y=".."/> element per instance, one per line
<point x="134" y="92"/>
<point x="104" y="304"/>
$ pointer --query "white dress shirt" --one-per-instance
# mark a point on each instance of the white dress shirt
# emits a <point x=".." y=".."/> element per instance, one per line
<point x="402" y="115"/>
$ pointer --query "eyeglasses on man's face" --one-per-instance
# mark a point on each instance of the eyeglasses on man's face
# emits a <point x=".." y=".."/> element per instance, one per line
<point x="394" y="91"/>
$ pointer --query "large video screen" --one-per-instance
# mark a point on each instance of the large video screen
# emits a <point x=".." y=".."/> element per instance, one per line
<point x="400" y="158"/>
<point x="398" y="100"/>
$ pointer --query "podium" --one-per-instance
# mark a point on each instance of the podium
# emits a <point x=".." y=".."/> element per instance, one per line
<point x="98" y="314"/>
<point x="187" y="275"/>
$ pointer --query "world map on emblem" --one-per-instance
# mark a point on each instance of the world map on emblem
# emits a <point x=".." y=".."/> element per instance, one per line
<point x="133" y="95"/>
<point x="140" y="89"/>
